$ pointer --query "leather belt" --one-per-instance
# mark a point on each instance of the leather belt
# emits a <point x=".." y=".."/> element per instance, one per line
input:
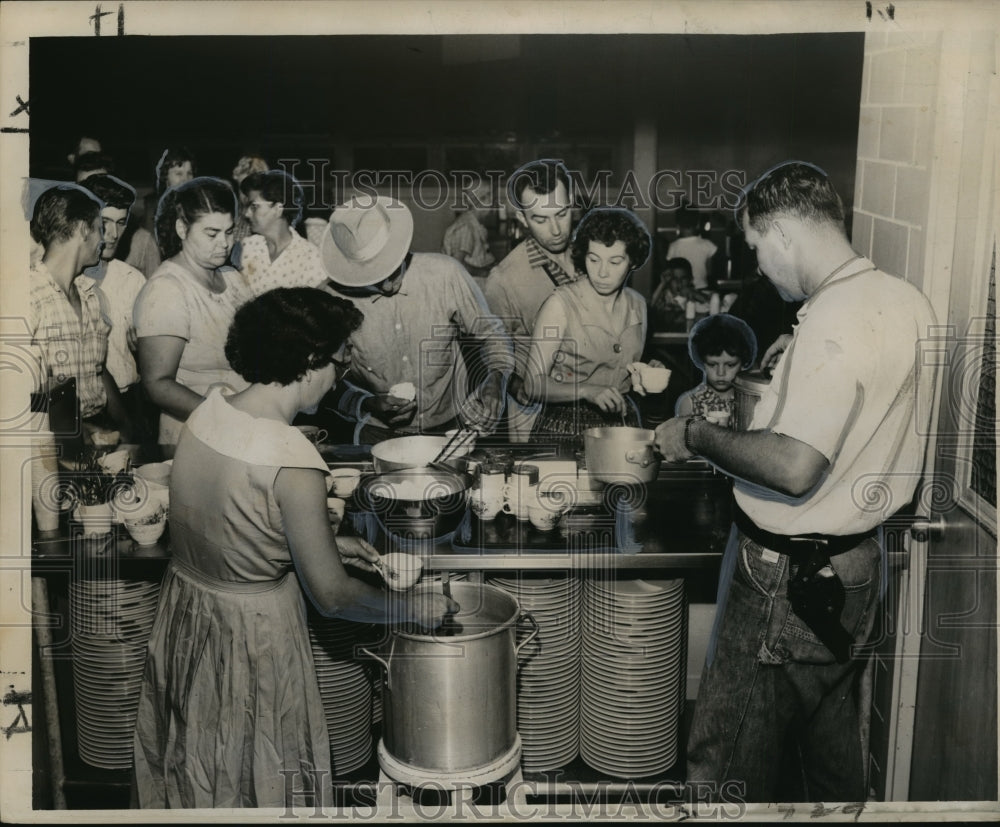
<point x="832" y="544"/>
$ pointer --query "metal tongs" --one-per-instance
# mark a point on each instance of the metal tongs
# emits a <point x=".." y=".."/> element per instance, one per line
<point x="456" y="442"/>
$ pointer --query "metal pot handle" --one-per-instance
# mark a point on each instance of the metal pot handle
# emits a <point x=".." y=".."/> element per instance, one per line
<point x="383" y="663"/>
<point x="639" y="458"/>
<point x="530" y="637"/>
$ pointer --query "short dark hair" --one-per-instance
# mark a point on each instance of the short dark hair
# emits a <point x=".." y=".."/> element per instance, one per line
<point x="59" y="210"/>
<point x="542" y="176"/>
<point x="795" y="188"/>
<point x="287" y="331"/>
<point x="280" y="187"/>
<point x="189" y="202"/>
<point x="679" y="263"/>
<point x="606" y="225"/>
<point x="89" y="161"/>
<point x="172" y="157"/>
<point x="723" y="333"/>
<point x="112" y="191"/>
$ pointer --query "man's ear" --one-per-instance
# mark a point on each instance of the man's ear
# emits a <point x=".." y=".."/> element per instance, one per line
<point x="181" y="229"/>
<point x="783" y="229"/>
<point x="519" y="215"/>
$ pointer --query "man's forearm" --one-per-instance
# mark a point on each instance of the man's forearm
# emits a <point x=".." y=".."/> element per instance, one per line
<point x="772" y="460"/>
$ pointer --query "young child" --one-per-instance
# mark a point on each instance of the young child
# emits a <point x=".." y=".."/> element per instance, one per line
<point x="668" y="303"/>
<point x="720" y="346"/>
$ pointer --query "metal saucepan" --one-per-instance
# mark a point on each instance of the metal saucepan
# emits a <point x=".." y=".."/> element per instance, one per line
<point x="621" y="455"/>
<point x="416" y="451"/>
<point x="416" y="503"/>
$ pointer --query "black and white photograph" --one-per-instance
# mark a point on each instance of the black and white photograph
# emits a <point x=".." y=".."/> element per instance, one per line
<point x="498" y="411"/>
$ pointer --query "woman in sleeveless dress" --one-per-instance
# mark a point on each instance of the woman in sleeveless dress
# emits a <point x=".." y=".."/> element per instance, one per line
<point x="587" y="333"/>
<point x="230" y="713"/>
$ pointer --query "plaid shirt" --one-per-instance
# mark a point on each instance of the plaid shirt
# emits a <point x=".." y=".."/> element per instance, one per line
<point x="67" y="345"/>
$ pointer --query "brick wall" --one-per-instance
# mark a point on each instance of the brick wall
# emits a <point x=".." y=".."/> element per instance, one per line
<point x="895" y="150"/>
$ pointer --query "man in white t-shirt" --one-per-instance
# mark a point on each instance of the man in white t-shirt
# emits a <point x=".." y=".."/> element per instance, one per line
<point x="691" y="246"/>
<point x="119" y="285"/>
<point x="841" y="420"/>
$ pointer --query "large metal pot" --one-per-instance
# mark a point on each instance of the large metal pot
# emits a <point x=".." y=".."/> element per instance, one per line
<point x="417" y="451"/>
<point x="621" y="455"/>
<point x="416" y="503"/>
<point x="449" y="703"/>
<point x="748" y="388"/>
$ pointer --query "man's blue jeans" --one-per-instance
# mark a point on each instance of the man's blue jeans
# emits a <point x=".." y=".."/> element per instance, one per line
<point x="771" y="676"/>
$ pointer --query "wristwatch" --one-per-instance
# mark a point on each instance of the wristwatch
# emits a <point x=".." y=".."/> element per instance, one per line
<point x="687" y="433"/>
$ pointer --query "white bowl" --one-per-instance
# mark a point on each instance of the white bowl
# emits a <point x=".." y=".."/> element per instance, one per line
<point x="401" y="571"/>
<point x="146" y="534"/>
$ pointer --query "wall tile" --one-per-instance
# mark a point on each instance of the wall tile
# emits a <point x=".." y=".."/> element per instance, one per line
<point x="887" y="72"/>
<point x="896" y="140"/>
<point x="890" y="246"/>
<point x="859" y="183"/>
<point x="920" y="77"/>
<point x="879" y="188"/>
<point x="869" y="124"/>
<point x="912" y="194"/>
<point x="923" y="136"/>
<point x="861" y="233"/>
<point x="915" y="259"/>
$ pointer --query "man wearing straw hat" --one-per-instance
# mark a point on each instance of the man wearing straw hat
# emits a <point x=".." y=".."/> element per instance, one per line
<point x="845" y="415"/>
<point x="416" y="307"/>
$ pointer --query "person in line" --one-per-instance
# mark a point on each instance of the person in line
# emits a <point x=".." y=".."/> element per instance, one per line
<point x="69" y="315"/>
<point x="587" y="333"/>
<point x="690" y="245"/>
<point x="120" y="285"/>
<point x="416" y="308"/>
<point x="720" y="347"/>
<point x="275" y="255"/>
<point x="466" y="239"/>
<point x="848" y="407"/>
<point x="184" y="311"/>
<point x="176" y="166"/>
<point x="246" y="165"/>
<point x="541" y="194"/>
<point x="668" y="304"/>
<point x="230" y="702"/>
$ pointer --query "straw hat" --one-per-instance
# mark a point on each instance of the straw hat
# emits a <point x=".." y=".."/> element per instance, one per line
<point x="366" y="241"/>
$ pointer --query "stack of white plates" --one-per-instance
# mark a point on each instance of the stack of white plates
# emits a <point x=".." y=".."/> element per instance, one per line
<point x="634" y="651"/>
<point x="345" y="685"/>
<point x="110" y="621"/>
<point x="548" y="696"/>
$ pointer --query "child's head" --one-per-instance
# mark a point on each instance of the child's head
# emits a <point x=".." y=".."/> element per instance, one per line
<point x="721" y="346"/>
<point x="677" y="275"/>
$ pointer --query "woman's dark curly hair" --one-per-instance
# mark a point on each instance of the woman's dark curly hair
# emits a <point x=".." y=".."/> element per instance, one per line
<point x="189" y="202"/>
<point x="285" y="332"/>
<point x="606" y="225"/>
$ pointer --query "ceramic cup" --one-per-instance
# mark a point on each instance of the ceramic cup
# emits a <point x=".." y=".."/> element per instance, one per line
<point x="518" y="496"/>
<point x="401" y="571"/>
<point x="487" y="496"/>
<point x="335" y="511"/>
<point x="544" y="514"/>
<point x="313" y="433"/>
<point x="720" y="418"/>
<point x="344" y="481"/>
<point x="653" y="379"/>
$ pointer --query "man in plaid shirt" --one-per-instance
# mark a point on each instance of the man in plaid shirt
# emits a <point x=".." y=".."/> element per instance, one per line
<point x="69" y="319"/>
